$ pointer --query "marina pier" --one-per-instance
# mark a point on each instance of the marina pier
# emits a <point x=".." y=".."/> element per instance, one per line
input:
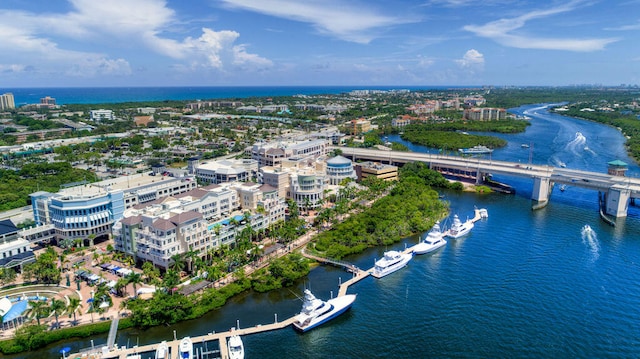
<point x="221" y="337"/>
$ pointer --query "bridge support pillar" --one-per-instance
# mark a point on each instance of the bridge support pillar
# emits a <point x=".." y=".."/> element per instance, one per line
<point x="541" y="187"/>
<point x="617" y="201"/>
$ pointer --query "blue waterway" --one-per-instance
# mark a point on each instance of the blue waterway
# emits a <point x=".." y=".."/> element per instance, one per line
<point x="525" y="284"/>
<point x="79" y="95"/>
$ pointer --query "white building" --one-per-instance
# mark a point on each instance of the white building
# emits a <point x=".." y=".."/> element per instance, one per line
<point x="340" y="168"/>
<point x="92" y="209"/>
<point x="199" y="220"/>
<point x="272" y="154"/>
<point x="14" y="251"/>
<point x="101" y="115"/>
<point x="7" y="102"/>
<point x="227" y="171"/>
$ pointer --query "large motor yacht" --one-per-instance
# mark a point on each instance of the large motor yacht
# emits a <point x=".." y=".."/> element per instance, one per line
<point x="390" y="262"/>
<point x="315" y="311"/>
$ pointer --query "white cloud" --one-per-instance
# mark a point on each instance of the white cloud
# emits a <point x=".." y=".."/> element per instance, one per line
<point x="472" y="60"/>
<point x="8" y="68"/>
<point x="501" y="32"/>
<point x="345" y="20"/>
<point x="114" y="26"/>
<point x="625" y="27"/>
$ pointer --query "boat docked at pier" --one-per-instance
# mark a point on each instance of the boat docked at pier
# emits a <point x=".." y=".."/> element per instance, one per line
<point x="431" y="242"/>
<point x="185" y="349"/>
<point x="316" y="311"/>
<point x="162" y="351"/>
<point x="475" y="150"/>
<point x="459" y="228"/>
<point x="235" y="347"/>
<point x="390" y="262"/>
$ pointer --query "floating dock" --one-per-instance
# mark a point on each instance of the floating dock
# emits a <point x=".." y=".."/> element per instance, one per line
<point x="221" y="337"/>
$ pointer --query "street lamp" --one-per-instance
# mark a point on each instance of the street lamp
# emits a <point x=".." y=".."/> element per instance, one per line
<point x="91" y="308"/>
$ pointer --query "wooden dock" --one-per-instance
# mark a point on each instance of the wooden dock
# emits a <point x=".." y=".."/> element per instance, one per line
<point x="222" y="337"/>
<point x="173" y="345"/>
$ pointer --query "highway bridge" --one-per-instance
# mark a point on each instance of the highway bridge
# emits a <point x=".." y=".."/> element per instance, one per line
<point x="617" y="190"/>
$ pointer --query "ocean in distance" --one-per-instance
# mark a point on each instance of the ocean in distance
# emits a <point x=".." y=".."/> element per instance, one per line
<point x="100" y="95"/>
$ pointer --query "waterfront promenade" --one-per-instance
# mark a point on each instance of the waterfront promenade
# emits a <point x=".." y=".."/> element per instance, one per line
<point x="222" y="337"/>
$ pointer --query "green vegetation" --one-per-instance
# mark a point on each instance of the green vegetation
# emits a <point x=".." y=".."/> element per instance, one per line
<point x="412" y="206"/>
<point x="34" y="336"/>
<point x="514" y="97"/>
<point x="447" y="140"/>
<point x="16" y="186"/>
<point x="282" y="272"/>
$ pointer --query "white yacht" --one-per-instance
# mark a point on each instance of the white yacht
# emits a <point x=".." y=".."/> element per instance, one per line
<point x="162" y="351"/>
<point x="185" y="350"/>
<point x="458" y="228"/>
<point x="391" y="262"/>
<point x="236" y="348"/>
<point x="433" y="240"/>
<point x="315" y="311"/>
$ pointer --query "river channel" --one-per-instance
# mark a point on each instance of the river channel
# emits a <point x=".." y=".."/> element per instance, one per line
<point x="524" y="283"/>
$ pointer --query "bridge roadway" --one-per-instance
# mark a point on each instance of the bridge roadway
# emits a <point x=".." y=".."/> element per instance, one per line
<point x="619" y="189"/>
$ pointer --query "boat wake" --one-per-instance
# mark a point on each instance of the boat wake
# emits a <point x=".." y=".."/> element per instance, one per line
<point x="590" y="239"/>
<point x="578" y="144"/>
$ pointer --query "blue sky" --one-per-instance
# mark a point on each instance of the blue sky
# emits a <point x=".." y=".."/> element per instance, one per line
<point x="61" y="43"/>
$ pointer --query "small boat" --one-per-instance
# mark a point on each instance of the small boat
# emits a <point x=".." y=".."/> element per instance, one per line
<point x="390" y="262"/>
<point x="162" y="351"/>
<point x="236" y="348"/>
<point x="475" y="150"/>
<point x="185" y="350"/>
<point x="458" y="228"/>
<point x="587" y="229"/>
<point x="483" y="213"/>
<point x="562" y="188"/>
<point x="524" y="145"/>
<point x="433" y="241"/>
<point x="316" y="311"/>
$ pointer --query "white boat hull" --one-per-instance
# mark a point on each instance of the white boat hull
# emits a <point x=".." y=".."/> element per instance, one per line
<point x="162" y="352"/>
<point x="340" y="305"/>
<point x="185" y="350"/>
<point x="424" y="247"/>
<point x="401" y="263"/>
<point x="235" y="347"/>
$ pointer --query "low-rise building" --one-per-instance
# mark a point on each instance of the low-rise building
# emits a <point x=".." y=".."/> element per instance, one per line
<point x="242" y="170"/>
<point x="272" y="154"/>
<point x="15" y="251"/>
<point x="90" y="210"/>
<point x="101" y="115"/>
<point x="199" y="220"/>
<point x="377" y="169"/>
<point x="340" y="168"/>
<point x="359" y="126"/>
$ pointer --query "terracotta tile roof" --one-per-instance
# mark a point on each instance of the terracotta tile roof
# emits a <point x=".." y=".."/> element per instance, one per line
<point x="195" y="193"/>
<point x="163" y="224"/>
<point x="131" y="220"/>
<point x="185" y="217"/>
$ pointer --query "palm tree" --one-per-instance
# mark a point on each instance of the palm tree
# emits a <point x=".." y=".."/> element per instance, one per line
<point x="74" y="305"/>
<point x="121" y="287"/>
<point x="150" y="271"/>
<point x="38" y="309"/>
<point x="178" y="262"/>
<point x="135" y="279"/>
<point x="234" y="222"/>
<point x="58" y="307"/>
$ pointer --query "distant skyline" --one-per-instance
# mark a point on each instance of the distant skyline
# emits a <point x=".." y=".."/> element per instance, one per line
<point x="139" y="43"/>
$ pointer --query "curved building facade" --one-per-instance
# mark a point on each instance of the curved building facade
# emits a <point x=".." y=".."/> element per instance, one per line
<point x="340" y="168"/>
